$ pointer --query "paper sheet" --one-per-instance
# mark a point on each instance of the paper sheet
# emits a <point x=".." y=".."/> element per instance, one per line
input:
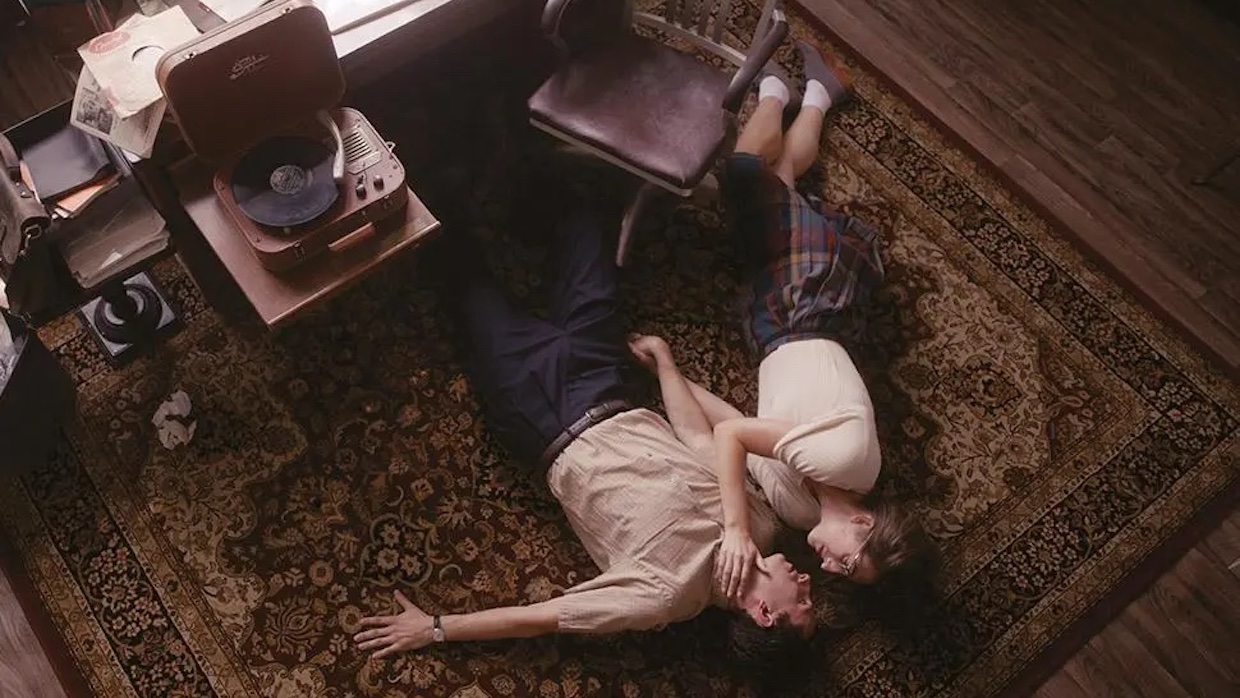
<point x="345" y="14"/>
<point x="228" y="10"/>
<point x="94" y="114"/>
<point x="123" y="61"/>
<point x="174" y="421"/>
<point x="112" y="234"/>
<point x="9" y="352"/>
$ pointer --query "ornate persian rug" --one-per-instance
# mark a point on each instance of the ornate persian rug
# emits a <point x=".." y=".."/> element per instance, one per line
<point x="1053" y="433"/>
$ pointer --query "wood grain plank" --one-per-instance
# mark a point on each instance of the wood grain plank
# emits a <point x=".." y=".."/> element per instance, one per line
<point x="1129" y="663"/>
<point x="867" y="22"/>
<point x="1061" y="685"/>
<point x="924" y="27"/>
<point x="1066" y="33"/>
<point x="30" y="79"/>
<point x="1096" y="677"/>
<point x="1222" y="305"/>
<point x="975" y="65"/>
<point x="1212" y="250"/>
<point x="1177" y="122"/>
<point x="1201" y="599"/>
<point x="1174" y="649"/>
<point x="1223" y="544"/>
<point x="1102" y="229"/>
<point x="24" y="669"/>
<point x="1166" y="643"/>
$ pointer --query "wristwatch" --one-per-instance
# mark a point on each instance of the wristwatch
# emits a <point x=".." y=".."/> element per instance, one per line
<point x="437" y="630"/>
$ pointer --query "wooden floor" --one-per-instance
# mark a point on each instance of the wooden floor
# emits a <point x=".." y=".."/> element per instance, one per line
<point x="1178" y="640"/>
<point x="25" y="671"/>
<point x="1105" y="112"/>
<point x="30" y="78"/>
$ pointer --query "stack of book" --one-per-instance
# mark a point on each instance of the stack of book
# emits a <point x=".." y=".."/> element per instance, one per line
<point x="104" y="221"/>
<point x="68" y="170"/>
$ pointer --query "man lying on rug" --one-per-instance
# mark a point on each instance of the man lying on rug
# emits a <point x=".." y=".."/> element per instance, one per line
<point x="813" y="447"/>
<point x="639" y="490"/>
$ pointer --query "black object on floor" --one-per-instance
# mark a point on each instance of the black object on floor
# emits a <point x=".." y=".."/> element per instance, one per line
<point x="128" y="317"/>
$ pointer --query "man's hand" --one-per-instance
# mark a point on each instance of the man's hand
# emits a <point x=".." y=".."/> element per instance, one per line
<point x="735" y="561"/>
<point x="411" y="630"/>
<point x="650" y="351"/>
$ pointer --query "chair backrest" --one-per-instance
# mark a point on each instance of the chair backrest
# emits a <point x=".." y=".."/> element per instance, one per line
<point x="703" y="23"/>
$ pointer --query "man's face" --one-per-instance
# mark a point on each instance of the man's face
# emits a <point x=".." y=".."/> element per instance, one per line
<point x="841" y="547"/>
<point x="782" y="590"/>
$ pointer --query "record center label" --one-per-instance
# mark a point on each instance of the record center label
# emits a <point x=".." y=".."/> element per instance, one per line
<point x="285" y="181"/>
<point x="289" y="179"/>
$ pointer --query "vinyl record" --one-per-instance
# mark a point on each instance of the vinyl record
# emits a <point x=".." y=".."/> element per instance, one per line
<point x="285" y="181"/>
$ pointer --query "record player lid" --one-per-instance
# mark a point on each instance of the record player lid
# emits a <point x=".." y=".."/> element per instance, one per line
<point x="246" y="80"/>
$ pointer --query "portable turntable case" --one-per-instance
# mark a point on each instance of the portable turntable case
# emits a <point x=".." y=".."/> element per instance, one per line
<point x="263" y="75"/>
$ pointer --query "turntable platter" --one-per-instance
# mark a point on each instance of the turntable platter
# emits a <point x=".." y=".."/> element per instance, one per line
<point x="285" y="181"/>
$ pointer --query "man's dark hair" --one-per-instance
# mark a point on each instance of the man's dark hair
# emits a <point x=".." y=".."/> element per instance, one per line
<point x="768" y="655"/>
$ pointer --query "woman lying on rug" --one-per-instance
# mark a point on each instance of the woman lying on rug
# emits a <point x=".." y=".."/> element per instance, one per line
<point x="639" y="490"/>
<point x="813" y="448"/>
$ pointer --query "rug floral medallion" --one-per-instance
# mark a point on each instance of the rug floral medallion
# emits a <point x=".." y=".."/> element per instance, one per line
<point x="1052" y="433"/>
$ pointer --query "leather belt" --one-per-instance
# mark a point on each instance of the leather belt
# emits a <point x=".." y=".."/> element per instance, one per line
<point x="593" y="416"/>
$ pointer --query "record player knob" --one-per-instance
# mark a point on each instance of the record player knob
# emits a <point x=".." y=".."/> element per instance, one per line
<point x="379" y="183"/>
<point x="361" y="191"/>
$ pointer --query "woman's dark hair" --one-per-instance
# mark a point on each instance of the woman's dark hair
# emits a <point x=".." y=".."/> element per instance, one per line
<point x="907" y="560"/>
<point x="899" y="547"/>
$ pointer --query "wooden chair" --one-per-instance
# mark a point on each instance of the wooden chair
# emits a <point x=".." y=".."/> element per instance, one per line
<point x="658" y="112"/>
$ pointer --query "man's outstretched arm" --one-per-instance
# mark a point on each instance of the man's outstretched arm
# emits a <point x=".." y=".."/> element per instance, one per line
<point x="412" y="628"/>
<point x="623" y="598"/>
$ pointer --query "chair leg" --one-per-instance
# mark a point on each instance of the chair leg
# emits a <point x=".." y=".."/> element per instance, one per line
<point x="706" y="193"/>
<point x="631" y="217"/>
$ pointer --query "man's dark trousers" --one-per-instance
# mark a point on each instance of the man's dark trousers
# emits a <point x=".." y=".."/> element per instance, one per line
<point x="536" y="376"/>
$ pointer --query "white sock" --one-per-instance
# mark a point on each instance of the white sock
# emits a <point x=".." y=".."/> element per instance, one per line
<point x="816" y="95"/>
<point x="772" y="86"/>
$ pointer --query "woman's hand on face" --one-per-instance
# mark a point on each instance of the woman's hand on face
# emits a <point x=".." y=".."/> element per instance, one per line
<point x="410" y="630"/>
<point x="734" y="564"/>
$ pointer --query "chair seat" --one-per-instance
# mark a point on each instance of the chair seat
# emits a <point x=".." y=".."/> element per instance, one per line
<point x="648" y="105"/>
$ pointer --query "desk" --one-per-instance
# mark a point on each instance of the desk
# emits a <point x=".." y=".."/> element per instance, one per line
<point x="385" y="45"/>
<point x="278" y="298"/>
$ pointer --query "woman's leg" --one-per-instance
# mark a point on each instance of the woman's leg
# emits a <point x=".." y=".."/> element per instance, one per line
<point x="763" y="134"/>
<point x="826" y="85"/>
<point x="800" y="145"/>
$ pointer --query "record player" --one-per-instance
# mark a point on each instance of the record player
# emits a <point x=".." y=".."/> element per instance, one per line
<point x="298" y="175"/>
